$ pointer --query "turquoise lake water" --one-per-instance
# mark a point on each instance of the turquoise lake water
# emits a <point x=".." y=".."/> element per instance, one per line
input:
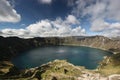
<point x="77" y="55"/>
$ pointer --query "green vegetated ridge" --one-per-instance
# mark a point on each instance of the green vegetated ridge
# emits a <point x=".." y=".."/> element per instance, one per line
<point x="110" y="65"/>
<point x="57" y="70"/>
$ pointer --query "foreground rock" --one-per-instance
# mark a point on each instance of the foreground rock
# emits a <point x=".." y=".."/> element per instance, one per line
<point x="59" y="70"/>
<point x="5" y="66"/>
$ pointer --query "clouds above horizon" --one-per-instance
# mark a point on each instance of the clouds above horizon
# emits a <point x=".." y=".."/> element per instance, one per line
<point x="47" y="28"/>
<point x="8" y="13"/>
<point x="74" y="18"/>
<point x="99" y="13"/>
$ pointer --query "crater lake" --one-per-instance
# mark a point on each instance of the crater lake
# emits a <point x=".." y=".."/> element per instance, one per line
<point x="77" y="55"/>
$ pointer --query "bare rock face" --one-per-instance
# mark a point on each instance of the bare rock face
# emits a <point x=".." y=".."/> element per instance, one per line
<point x="99" y="42"/>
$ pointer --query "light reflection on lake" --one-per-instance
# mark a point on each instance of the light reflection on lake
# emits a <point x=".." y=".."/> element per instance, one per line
<point x="77" y="55"/>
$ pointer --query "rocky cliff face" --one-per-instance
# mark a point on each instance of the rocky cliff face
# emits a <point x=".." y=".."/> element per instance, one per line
<point x="96" y="42"/>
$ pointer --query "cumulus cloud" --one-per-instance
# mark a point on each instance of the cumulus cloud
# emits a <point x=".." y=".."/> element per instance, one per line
<point x="115" y="26"/>
<point x="100" y="8"/>
<point x="14" y="32"/>
<point x="7" y="13"/>
<point x="45" y="1"/>
<point x="72" y="19"/>
<point x="99" y="25"/>
<point x="111" y="33"/>
<point x="48" y="28"/>
<point x="111" y="29"/>
<point x="99" y="11"/>
<point x="58" y="27"/>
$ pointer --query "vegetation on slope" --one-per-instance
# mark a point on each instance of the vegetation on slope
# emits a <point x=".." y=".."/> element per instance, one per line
<point x="55" y="70"/>
<point x="110" y="65"/>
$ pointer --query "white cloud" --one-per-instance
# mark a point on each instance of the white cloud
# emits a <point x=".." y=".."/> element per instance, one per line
<point x="14" y="32"/>
<point x="7" y="13"/>
<point x="115" y="25"/>
<point x="45" y="1"/>
<point x="113" y="30"/>
<point x="58" y="27"/>
<point x="72" y="19"/>
<point x="109" y="9"/>
<point x="113" y="9"/>
<point x="99" y="25"/>
<point x="96" y="10"/>
<point x="107" y="29"/>
<point x="111" y="33"/>
<point x="47" y="28"/>
<point x="99" y="11"/>
<point x="40" y="27"/>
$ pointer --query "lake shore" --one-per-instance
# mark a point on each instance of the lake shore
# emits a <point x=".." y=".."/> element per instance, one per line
<point x="90" y="47"/>
<point x="10" y="47"/>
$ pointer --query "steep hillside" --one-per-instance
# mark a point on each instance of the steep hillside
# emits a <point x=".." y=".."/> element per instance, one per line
<point x="11" y="46"/>
<point x="94" y="41"/>
<point x="110" y="65"/>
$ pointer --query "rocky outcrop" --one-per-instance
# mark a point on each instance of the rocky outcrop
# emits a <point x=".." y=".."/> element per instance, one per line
<point x="5" y="66"/>
<point x="59" y="70"/>
<point x="7" y="69"/>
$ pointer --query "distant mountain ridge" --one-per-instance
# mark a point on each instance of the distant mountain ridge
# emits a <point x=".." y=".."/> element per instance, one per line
<point x="100" y="42"/>
<point x="11" y="46"/>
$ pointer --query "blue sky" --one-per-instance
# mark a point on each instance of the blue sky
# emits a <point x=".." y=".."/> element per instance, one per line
<point x="43" y="18"/>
